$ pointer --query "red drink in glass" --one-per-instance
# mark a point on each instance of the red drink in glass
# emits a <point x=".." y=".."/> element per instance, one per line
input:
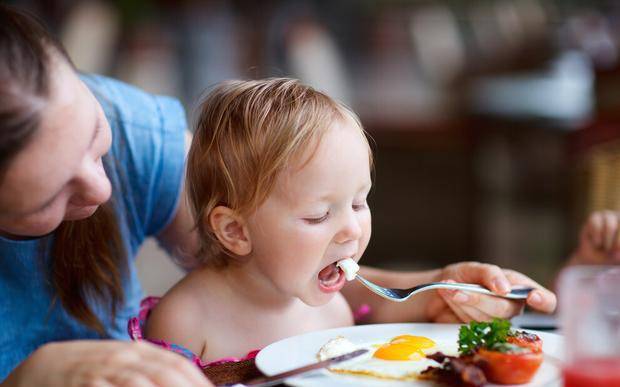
<point x="593" y="372"/>
<point x="590" y="310"/>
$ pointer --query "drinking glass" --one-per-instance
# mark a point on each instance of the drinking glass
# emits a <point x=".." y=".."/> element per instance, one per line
<point x="590" y="318"/>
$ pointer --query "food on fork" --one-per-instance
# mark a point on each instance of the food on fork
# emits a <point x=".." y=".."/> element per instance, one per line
<point x="349" y="267"/>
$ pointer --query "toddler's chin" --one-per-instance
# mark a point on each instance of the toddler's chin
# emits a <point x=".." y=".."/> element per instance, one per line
<point x="317" y="299"/>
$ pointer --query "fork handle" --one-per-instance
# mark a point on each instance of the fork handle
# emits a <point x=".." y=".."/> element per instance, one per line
<point x="517" y="293"/>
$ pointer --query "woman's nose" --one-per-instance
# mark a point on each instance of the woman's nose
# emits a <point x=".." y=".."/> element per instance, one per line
<point x="350" y="230"/>
<point x="94" y="187"/>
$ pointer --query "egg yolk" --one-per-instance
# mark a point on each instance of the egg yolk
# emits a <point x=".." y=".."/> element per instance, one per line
<point x="404" y="347"/>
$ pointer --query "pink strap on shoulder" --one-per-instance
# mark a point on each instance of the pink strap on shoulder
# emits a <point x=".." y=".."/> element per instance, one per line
<point x="135" y="325"/>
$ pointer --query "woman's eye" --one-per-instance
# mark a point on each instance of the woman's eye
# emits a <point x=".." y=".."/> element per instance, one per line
<point x="317" y="220"/>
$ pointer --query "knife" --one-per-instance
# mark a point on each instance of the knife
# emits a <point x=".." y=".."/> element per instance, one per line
<point x="279" y="378"/>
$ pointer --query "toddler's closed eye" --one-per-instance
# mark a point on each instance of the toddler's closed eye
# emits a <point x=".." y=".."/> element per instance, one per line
<point x="317" y="220"/>
<point x="360" y="207"/>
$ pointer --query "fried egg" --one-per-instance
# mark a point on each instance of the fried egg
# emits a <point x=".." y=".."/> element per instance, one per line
<point x="401" y="358"/>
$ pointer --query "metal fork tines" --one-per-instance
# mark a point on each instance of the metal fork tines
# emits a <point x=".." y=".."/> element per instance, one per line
<point x="399" y="295"/>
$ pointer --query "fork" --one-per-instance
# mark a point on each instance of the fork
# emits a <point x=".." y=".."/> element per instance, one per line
<point x="400" y="295"/>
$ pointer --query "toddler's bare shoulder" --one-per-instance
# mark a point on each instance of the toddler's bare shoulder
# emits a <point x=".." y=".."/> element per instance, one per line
<point x="174" y="319"/>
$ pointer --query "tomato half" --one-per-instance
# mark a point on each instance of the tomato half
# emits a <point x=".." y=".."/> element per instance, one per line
<point x="526" y="340"/>
<point x="509" y="368"/>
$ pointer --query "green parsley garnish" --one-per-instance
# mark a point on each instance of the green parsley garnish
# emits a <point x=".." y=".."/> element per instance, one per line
<point x="482" y="334"/>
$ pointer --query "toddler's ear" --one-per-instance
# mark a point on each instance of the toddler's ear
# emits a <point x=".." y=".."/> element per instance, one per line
<point x="231" y="230"/>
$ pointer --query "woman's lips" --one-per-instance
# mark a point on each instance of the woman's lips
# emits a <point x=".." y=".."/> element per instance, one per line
<point x="331" y="279"/>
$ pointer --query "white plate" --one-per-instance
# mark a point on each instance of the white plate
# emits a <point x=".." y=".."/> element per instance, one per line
<point x="300" y="350"/>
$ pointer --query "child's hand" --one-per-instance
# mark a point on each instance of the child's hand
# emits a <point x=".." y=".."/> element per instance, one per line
<point x="599" y="240"/>
<point x="458" y="306"/>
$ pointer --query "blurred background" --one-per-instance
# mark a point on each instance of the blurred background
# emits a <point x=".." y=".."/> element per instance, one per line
<point x="495" y="122"/>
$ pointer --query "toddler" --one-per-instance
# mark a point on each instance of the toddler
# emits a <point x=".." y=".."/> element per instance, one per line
<point x="278" y="176"/>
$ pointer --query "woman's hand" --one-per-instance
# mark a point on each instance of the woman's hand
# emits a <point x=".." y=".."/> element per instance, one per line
<point x="458" y="306"/>
<point x="105" y="364"/>
<point x="599" y="240"/>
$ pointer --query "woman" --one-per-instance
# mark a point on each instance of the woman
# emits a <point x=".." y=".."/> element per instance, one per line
<point x="90" y="167"/>
<point x="59" y="166"/>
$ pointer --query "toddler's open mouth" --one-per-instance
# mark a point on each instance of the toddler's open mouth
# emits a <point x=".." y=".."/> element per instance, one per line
<point x="331" y="278"/>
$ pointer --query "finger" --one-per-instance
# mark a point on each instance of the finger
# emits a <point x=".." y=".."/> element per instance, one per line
<point x="130" y="378"/>
<point x="471" y="313"/>
<point x="439" y="312"/>
<point x="614" y="254"/>
<point x="540" y="299"/>
<point x="475" y="314"/>
<point x="170" y="360"/>
<point x="166" y="376"/>
<point x="448" y="296"/>
<point x="592" y="232"/>
<point x="435" y="307"/>
<point x="490" y="276"/>
<point x="484" y="305"/>
<point x="98" y="383"/>
<point x="610" y="227"/>
<point x="145" y="362"/>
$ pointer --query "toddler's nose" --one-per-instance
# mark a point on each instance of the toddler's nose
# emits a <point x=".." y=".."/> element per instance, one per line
<point x="351" y="229"/>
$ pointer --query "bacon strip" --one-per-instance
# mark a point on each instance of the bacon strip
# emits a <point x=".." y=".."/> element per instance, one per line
<point x="454" y="371"/>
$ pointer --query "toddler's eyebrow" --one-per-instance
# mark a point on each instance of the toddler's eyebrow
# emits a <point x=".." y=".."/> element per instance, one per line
<point x="328" y="197"/>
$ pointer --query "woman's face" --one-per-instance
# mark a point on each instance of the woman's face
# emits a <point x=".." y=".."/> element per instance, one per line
<point x="59" y="174"/>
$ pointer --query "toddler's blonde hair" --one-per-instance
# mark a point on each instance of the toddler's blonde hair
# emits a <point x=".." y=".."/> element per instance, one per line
<point x="247" y="133"/>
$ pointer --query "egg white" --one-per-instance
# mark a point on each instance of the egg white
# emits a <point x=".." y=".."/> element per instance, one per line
<point x="368" y="366"/>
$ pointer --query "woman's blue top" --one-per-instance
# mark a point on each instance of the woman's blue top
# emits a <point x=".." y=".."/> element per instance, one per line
<point x="145" y="165"/>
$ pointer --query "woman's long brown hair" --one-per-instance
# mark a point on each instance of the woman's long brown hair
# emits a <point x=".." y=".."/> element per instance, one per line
<point x="88" y="256"/>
